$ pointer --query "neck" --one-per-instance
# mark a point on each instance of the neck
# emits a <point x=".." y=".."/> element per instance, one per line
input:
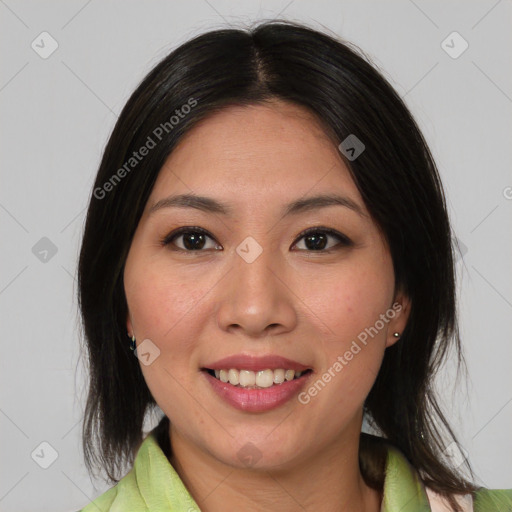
<point x="329" y="480"/>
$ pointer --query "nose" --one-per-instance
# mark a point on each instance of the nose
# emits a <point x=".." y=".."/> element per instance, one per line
<point x="257" y="299"/>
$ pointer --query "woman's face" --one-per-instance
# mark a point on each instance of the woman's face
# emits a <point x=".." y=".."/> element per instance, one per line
<point x="253" y="285"/>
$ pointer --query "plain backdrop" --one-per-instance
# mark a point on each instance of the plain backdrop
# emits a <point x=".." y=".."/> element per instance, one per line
<point x="57" y="111"/>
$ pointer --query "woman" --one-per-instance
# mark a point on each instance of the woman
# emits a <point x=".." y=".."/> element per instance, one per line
<point x="269" y="229"/>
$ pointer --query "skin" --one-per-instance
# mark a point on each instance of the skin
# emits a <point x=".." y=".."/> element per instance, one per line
<point x="200" y="306"/>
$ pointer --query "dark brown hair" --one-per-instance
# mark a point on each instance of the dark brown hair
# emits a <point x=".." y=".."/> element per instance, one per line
<point x="395" y="175"/>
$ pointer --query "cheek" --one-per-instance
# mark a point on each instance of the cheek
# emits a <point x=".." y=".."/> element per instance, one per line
<point x="349" y="306"/>
<point x="163" y="303"/>
<point x="167" y="308"/>
<point x="351" y="300"/>
<point x="351" y="354"/>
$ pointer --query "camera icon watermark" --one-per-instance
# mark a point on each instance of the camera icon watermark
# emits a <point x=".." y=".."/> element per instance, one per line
<point x="147" y="352"/>
<point x="44" y="455"/>
<point x="249" y="249"/>
<point x="454" y="45"/>
<point x="351" y="147"/>
<point x="44" y="250"/>
<point x="249" y="454"/>
<point x="44" y="45"/>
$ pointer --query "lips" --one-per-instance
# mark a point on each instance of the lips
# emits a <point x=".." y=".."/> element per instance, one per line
<point x="257" y="400"/>
<point x="241" y="394"/>
<point x="256" y="363"/>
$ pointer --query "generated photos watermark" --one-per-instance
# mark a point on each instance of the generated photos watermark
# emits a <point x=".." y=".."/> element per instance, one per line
<point x="151" y="142"/>
<point x="343" y="360"/>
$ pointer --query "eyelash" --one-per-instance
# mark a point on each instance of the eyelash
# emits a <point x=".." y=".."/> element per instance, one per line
<point x="344" y="241"/>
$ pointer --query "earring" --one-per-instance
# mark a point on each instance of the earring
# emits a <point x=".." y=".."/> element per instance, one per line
<point x="396" y="335"/>
<point x="132" y="344"/>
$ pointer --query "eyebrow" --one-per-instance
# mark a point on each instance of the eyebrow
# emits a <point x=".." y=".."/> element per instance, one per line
<point x="210" y="205"/>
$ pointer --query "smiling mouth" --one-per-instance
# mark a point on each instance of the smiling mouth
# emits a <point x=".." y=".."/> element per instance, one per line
<point x="256" y="380"/>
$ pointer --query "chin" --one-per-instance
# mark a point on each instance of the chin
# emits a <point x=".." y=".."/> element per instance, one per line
<point x="263" y="454"/>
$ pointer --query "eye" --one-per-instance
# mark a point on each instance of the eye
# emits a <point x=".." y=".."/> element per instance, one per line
<point x="194" y="239"/>
<point x="316" y="239"/>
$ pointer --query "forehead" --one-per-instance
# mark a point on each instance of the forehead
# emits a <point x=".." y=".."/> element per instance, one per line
<point x="272" y="153"/>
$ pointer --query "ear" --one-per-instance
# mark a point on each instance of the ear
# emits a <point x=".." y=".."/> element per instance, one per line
<point x="402" y="308"/>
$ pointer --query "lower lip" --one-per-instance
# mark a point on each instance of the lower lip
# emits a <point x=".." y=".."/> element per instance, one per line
<point x="257" y="400"/>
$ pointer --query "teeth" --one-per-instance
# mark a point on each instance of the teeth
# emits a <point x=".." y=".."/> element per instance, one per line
<point x="265" y="378"/>
<point x="278" y="376"/>
<point x="233" y="377"/>
<point x="247" y="378"/>
<point x="261" y="379"/>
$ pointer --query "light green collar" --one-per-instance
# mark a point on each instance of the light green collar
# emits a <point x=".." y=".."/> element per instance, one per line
<point x="153" y="485"/>
<point x="403" y="489"/>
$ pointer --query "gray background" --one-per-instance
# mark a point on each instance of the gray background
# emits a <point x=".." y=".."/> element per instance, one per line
<point x="56" y="114"/>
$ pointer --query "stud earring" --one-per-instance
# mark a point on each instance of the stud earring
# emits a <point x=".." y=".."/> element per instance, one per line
<point x="396" y="335"/>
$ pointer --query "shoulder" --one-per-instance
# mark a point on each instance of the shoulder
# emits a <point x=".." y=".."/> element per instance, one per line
<point x="126" y="492"/>
<point x="151" y="484"/>
<point x="482" y="500"/>
<point x="102" y="502"/>
<point x="401" y="481"/>
<point x="499" y="500"/>
<point x="439" y="503"/>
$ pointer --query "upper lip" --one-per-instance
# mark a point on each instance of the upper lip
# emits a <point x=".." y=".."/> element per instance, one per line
<point x="256" y="363"/>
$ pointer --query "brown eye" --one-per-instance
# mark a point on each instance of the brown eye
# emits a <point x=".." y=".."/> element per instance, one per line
<point x="316" y="239"/>
<point x="193" y="239"/>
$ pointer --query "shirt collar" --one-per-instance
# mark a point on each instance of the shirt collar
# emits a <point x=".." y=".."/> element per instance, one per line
<point x="403" y="488"/>
<point x="159" y="487"/>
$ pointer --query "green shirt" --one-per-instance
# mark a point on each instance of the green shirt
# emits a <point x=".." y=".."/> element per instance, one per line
<point x="152" y="485"/>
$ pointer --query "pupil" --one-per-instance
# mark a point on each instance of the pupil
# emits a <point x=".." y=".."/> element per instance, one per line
<point x="318" y="241"/>
<point x="192" y="236"/>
